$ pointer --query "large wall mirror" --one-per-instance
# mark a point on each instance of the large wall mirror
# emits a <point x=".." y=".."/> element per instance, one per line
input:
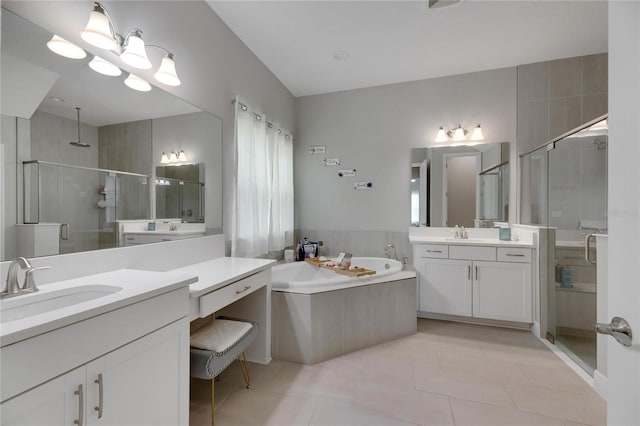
<point x="465" y="185"/>
<point x="75" y="195"/>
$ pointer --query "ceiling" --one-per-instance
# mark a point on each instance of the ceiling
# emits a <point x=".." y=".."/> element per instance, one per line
<point x="396" y="41"/>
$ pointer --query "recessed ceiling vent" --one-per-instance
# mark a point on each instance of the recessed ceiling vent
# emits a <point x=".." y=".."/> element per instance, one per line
<point x="436" y="4"/>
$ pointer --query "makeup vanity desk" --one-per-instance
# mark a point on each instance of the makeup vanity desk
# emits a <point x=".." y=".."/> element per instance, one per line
<point x="234" y="287"/>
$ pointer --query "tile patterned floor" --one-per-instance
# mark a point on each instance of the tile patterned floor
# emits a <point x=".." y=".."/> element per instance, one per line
<point x="446" y="374"/>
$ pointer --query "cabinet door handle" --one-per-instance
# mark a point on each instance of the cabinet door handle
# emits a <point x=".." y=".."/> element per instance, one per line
<point x="476" y="273"/>
<point x="587" y="248"/>
<point x="247" y="287"/>
<point x="100" y="396"/>
<point x="469" y="272"/>
<point x="80" y="394"/>
<point x="434" y="251"/>
<point x="514" y="255"/>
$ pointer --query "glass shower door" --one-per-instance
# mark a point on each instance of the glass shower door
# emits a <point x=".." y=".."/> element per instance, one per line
<point x="577" y="206"/>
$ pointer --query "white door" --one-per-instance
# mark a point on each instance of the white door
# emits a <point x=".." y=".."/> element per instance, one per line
<point x="446" y="288"/>
<point x="623" y="399"/>
<point x="143" y="383"/>
<point x="54" y="403"/>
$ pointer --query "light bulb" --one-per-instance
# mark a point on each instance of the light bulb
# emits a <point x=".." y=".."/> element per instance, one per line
<point x="98" y="31"/>
<point x="105" y="67"/>
<point x="182" y="156"/>
<point x="164" y="159"/>
<point x="166" y="74"/>
<point x="136" y="83"/>
<point x="442" y="136"/>
<point x="477" y="134"/>
<point x="134" y="53"/>
<point x="65" y="48"/>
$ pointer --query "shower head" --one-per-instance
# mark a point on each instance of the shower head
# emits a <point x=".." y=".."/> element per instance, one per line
<point x="79" y="143"/>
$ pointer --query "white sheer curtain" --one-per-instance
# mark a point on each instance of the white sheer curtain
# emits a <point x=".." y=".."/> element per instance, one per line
<point x="263" y="216"/>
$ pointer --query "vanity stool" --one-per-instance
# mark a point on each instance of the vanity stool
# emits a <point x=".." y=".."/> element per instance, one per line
<point x="215" y="346"/>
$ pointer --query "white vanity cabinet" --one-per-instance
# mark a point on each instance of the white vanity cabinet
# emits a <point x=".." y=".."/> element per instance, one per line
<point x="485" y="282"/>
<point x="130" y="367"/>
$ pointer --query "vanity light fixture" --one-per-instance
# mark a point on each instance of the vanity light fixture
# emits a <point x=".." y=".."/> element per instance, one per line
<point x="100" y="32"/>
<point x="136" y="83"/>
<point x="458" y="134"/>
<point x="104" y="67"/>
<point x="182" y="156"/>
<point x="164" y="159"/>
<point x="173" y="158"/>
<point x="134" y="53"/>
<point x="442" y="135"/>
<point x="166" y="74"/>
<point x="65" y="48"/>
<point x="477" y="134"/>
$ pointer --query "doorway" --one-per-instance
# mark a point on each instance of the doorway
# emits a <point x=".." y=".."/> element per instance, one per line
<point x="460" y="189"/>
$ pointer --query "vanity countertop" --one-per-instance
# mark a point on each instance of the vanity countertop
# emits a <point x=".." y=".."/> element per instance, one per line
<point x="166" y="232"/>
<point x="469" y="242"/>
<point x="136" y="286"/>
<point x="217" y="273"/>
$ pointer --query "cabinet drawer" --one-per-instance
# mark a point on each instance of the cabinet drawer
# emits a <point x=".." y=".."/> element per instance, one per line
<point x="217" y="299"/>
<point x="472" y="253"/>
<point x="440" y="251"/>
<point x="516" y="254"/>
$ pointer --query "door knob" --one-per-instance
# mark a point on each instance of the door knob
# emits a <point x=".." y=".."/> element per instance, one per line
<point x="618" y="328"/>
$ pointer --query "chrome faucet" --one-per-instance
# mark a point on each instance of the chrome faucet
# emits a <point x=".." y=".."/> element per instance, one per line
<point x="388" y="249"/>
<point x="461" y="233"/>
<point x="13" y="287"/>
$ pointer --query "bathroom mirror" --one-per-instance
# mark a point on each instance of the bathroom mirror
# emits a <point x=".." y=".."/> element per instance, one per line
<point x="464" y="185"/>
<point x="180" y="192"/>
<point x="125" y="130"/>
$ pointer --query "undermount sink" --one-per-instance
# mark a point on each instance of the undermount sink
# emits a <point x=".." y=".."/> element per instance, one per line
<point x="45" y="301"/>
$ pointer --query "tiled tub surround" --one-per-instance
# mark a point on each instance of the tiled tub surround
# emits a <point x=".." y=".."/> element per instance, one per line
<point x="311" y="325"/>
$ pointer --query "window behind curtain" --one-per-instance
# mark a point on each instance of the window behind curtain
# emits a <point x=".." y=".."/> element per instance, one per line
<point x="263" y="187"/>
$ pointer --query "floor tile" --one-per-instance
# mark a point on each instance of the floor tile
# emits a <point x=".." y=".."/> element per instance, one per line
<point x="559" y="378"/>
<point x="467" y="413"/>
<point x="411" y="406"/>
<point x="497" y="369"/>
<point x="463" y="385"/>
<point x="331" y="415"/>
<point x="253" y="407"/>
<point x="586" y="407"/>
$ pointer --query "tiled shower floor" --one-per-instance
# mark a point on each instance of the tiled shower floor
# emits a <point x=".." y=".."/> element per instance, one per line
<point x="446" y="374"/>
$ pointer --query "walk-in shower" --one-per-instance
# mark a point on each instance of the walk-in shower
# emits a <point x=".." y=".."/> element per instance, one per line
<point x="564" y="187"/>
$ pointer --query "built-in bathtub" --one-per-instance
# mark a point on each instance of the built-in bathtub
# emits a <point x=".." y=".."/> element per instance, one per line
<point x="319" y="314"/>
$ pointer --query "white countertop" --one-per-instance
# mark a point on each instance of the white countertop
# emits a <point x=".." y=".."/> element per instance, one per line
<point x="166" y="232"/>
<point x="470" y="242"/>
<point x="216" y="273"/>
<point x="136" y="286"/>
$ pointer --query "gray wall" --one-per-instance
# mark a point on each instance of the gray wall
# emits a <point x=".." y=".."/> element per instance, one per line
<point x="373" y="130"/>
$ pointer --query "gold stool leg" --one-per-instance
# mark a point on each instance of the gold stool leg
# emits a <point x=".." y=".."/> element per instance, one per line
<point x="245" y="370"/>
<point x="213" y="383"/>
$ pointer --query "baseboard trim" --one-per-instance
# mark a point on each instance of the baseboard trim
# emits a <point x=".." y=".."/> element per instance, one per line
<point x="472" y="320"/>
<point x="535" y="329"/>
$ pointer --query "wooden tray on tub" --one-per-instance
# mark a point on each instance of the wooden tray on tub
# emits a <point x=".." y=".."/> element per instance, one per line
<point x="353" y="272"/>
<point x="315" y="261"/>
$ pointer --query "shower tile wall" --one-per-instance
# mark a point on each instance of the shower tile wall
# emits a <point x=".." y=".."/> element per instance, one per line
<point x="553" y="98"/>
<point x="50" y="137"/>
<point x="557" y="96"/>
<point x="125" y="147"/>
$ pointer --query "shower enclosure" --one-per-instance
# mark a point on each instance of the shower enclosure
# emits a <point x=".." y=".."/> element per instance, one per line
<point x="564" y="187"/>
<point x="85" y="202"/>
